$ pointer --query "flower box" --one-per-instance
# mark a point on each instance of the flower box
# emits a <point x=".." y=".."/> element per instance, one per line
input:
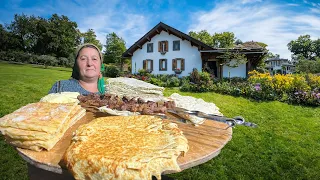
<point x="178" y="71"/>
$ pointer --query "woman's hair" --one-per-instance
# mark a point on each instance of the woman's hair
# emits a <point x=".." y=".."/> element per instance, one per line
<point x="75" y="69"/>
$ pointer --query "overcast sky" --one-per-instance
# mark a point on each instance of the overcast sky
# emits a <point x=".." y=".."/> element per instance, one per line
<point x="275" y="23"/>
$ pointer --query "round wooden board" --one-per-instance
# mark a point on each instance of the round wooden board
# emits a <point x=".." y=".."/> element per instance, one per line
<point x="205" y="142"/>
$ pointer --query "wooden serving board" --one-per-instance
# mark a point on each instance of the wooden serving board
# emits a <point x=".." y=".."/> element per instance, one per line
<point x="205" y="142"/>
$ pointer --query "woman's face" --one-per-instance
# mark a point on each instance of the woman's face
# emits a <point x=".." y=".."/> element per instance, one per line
<point x="89" y="63"/>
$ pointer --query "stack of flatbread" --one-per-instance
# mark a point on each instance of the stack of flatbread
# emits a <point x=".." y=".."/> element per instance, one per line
<point x="41" y="125"/>
<point x="125" y="147"/>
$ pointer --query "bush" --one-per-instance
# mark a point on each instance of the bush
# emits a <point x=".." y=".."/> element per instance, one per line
<point x="173" y="82"/>
<point x="47" y="60"/>
<point x="143" y="72"/>
<point x="111" y="71"/>
<point x="16" y="56"/>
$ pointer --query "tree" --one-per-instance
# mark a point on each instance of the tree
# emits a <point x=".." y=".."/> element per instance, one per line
<point x="305" y="46"/>
<point x="223" y="40"/>
<point x="90" y="37"/>
<point x="23" y="28"/>
<point x="9" y="41"/>
<point x="238" y="41"/>
<point x="218" y="40"/>
<point x="115" y="47"/>
<point x="57" y="36"/>
<point x="64" y="35"/>
<point x="316" y="46"/>
<point x="202" y="36"/>
<point x="307" y="66"/>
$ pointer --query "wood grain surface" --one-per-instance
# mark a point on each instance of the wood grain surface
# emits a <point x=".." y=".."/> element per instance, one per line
<point x="205" y="142"/>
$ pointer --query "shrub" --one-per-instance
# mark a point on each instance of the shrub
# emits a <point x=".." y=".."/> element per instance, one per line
<point x="156" y="81"/>
<point x="63" y="61"/>
<point x="111" y="71"/>
<point x="173" y="82"/>
<point x="47" y="60"/>
<point x="143" y="72"/>
<point x="313" y="81"/>
<point x="311" y="98"/>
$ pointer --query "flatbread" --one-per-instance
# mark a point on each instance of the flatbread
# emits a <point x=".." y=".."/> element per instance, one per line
<point x="38" y="145"/>
<point x="63" y="97"/>
<point x="22" y="134"/>
<point x="132" y="147"/>
<point x="41" y="116"/>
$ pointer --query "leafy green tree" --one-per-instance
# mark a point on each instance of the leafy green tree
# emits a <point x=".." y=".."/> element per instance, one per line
<point x="9" y="41"/>
<point x="304" y="46"/>
<point x="307" y="66"/>
<point x="64" y="35"/>
<point x="23" y="28"/>
<point x="316" y="46"/>
<point x="238" y="41"/>
<point x="202" y="36"/>
<point x="224" y="40"/>
<point x="114" y="48"/>
<point x="90" y="37"/>
<point x="56" y="36"/>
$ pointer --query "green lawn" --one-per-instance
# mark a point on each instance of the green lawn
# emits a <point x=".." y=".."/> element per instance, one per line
<point x="285" y="146"/>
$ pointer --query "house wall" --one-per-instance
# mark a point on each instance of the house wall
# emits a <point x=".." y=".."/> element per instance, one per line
<point x="239" y="71"/>
<point x="189" y="53"/>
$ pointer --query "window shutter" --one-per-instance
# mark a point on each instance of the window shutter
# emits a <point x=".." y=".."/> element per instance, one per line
<point x="174" y="64"/>
<point x="160" y="62"/>
<point x="159" y="46"/>
<point x="166" y="64"/>
<point x="166" y="46"/>
<point x="144" y="64"/>
<point x="182" y="64"/>
<point x="151" y="61"/>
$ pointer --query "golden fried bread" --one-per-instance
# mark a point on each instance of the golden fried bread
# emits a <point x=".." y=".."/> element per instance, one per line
<point x="132" y="147"/>
<point x="51" y="139"/>
<point x="41" y="116"/>
<point x="22" y="134"/>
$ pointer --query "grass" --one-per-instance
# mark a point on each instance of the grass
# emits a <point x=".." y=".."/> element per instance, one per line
<point x="285" y="146"/>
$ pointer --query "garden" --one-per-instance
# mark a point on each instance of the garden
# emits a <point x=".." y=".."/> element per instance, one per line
<point x="303" y="89"/>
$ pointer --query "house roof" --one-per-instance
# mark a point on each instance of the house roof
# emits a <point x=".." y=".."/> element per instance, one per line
<point x="248" y="45"/>
<point x="276" y="59"/>
<point x="157" y="30"/>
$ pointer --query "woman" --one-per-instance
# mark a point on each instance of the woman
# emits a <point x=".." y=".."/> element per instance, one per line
<point x="86" y="73"/>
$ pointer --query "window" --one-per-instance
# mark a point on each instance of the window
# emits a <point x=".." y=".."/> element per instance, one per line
<point x="162" y="64"/>
<point x="176" y="45"/>
<point x="148" y="65"/>
<point x="163" y="47"/>
<point x="150" y="47"/>
<point x="178" y="64"/>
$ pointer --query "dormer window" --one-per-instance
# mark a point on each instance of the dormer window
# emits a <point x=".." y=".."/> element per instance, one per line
<point x="163" y="47"/>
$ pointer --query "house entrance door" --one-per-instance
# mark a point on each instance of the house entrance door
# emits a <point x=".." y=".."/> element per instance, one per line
<point x="212" y="68"/>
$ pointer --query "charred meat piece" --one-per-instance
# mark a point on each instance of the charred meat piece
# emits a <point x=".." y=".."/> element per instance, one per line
<point x="125" y="103"/>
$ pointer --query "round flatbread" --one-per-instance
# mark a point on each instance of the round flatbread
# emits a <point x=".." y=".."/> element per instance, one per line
<point x="132" y="147"/>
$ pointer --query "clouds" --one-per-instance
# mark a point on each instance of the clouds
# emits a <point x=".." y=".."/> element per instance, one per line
<point x="273" y="24"/>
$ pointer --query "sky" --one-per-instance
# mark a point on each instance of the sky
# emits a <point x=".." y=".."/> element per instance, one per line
<point x="273" y="22"/>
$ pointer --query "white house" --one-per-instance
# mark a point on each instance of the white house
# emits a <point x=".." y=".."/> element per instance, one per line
<point x="275" y="65"/>
<point x="166" y="50"/>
